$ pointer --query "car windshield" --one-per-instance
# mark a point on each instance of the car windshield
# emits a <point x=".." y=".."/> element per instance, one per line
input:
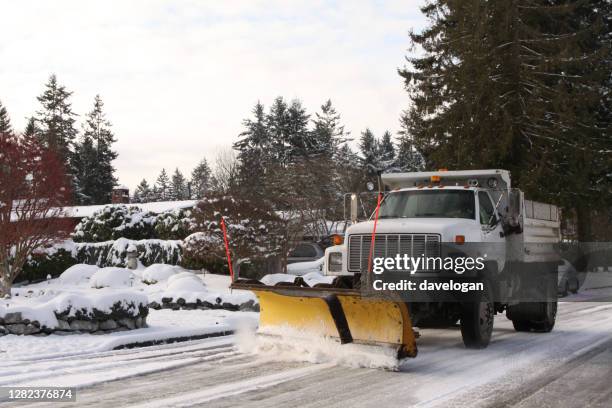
<point x="429" y="204"/>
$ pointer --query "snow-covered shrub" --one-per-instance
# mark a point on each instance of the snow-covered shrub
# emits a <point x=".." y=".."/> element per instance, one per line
<point x="78" y="274"/>
<point x="112" y="277"/>
<point x="159" y="272"/>
<point x="252" y="231"/>
<point x="185" y="281"/>
<point x="57" y="259"/>
<point x="114" y="253"/>
<point x="174" y="224"/>
<point x="113" y="222"/>
<point x="45" y="262"/>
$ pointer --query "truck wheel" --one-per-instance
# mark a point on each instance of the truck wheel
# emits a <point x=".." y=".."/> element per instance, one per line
<point x="550" y="317"/>
<point x="539" y="317"/>
<point x="477" y="321"/>
<point x="566" y="288"/>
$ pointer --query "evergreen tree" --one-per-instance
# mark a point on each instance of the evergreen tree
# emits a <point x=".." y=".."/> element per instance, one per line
<point x="97" y="128"/>
<point x="143" y="193"/>
<point x="32" y="130"/>
<point x="86" y="166"/>
<point x="515" y="85"/>
<point x="277" y="122"/>
<point x="5" y="121"/>
<point x="178" y="186"/>
<point x="368" y="146"/>
<point x="254" y="153"/>
<point x="408" y="158"/>
<point x="387" y="151"/>
<point x="328" y="133"/>
<point x="56" y="121"/>
<point x="162" y="184"/>
<point x="200" y="180"/>
<point x="299" y="137"/>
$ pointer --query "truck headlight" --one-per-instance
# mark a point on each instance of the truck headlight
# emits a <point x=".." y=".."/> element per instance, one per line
<point x="335" y="262"/>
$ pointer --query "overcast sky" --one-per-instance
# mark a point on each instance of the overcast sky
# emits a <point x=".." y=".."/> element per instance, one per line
<point x="178" y="77"/>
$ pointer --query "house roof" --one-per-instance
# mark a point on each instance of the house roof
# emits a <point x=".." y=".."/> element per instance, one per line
<point x="154" y="207"/>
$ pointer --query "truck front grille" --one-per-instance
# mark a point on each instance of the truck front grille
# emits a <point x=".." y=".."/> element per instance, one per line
<point x="388" y="246"/>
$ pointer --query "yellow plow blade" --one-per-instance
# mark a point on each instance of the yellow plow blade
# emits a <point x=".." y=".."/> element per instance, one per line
<point x="332" y="313"/>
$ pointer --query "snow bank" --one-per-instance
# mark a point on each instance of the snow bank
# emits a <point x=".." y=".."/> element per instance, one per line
<point x="314" y="278"/>
<point x="311" y="279"/>
<point x="78" y="274"/>
<point x="159" y="272"/>
<point x="275" y="278"/>
<point x="112" y="277"/>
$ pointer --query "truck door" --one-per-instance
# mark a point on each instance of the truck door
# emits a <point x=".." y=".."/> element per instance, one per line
<point x="492" y="234"/>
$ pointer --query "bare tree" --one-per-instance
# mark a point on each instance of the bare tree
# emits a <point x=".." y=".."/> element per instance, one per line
<point x="225" y="171"/>
<point x="33" y="190"/>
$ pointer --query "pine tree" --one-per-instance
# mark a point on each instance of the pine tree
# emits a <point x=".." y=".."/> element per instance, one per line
<point x="200" y="180"/>
<point x="368" y="146"/>
<point x="255" y="153"/>
<point x="97" y="128"/>
<point x="178" y="186"/>
<point x="143" y="193"/>
<point x="516" y="85"/>
<point x="408" y="158"/>
<point x="277" y="123"/>
<point x="300" y="140"/>
<point x="386" y="151"/>
<point x="162" y="184"/>
<point x="328" y="134"/>
<point x="32" y="130"/>
<point x="5" y="121"/>
<point x="85" y="164"/>
<point x="56" y="121"/>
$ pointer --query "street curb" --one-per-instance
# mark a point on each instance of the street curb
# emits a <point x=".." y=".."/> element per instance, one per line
<point x="170" y="340"/>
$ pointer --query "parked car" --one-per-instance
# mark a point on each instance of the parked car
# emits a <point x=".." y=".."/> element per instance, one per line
<point x="567" y="278"/>
<point x="305" y="252"/>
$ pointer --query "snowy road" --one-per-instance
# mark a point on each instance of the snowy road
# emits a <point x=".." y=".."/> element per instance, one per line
<point x="569" y="367"/>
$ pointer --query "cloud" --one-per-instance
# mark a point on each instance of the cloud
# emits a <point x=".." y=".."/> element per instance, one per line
<point x="178" y="77"/>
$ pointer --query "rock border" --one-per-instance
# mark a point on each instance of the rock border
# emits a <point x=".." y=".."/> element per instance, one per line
<point x="80" y="321"/>
<point x="182" y="304"/>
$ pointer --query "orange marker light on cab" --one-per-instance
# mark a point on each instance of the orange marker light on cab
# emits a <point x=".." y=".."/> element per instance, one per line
<point x="460" y="239"/>
<point x="337" y="239"/>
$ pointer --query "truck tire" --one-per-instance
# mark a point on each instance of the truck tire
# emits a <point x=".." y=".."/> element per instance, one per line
<point x="477" y="321"/>
<point x="539" y="317"/>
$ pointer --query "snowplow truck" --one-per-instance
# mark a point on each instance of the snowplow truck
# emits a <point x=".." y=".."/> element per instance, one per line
<point x="445" y="215"/>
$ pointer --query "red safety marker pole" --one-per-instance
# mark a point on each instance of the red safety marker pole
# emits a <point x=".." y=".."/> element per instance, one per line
<point x="227" y="251"/>
<point x="374" y="233"/>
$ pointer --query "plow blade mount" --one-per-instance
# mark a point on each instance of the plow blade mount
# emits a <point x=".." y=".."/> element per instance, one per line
<point x="337" y="313"/>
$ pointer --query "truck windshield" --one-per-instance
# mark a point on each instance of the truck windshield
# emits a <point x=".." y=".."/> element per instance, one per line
<point x="429" y="204"/>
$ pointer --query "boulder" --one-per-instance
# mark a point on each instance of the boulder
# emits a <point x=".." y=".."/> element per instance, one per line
<point x="62" y="325"/>
<point x="140" y="322"/>
<point x="17" y="328"/>
<point x="108" y="325"/>
<point x="12" y="318"/>
<point x="83" y="326"/>
<point x="127" y="322"/>
<point x="31" y="329"/>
